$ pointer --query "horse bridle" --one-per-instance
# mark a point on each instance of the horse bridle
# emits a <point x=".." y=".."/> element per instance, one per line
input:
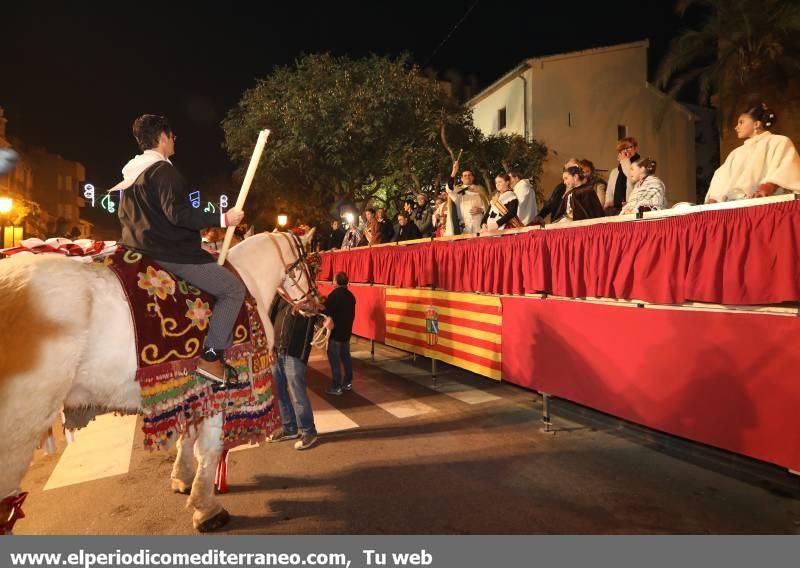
<point x="310" y="302"/>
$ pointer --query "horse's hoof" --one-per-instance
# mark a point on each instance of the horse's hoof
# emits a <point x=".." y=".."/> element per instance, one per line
<point x="179" y="486"/>
<point x="211" y="524"/>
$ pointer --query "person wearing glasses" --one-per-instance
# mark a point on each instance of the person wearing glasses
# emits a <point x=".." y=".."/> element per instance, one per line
<point x="158" y="220"/>
<point x="619" y="187"/>
<point x="764" y="165"/>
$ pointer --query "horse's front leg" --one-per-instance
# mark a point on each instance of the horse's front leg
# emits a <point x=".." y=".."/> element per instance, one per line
<point x="208" y="513"/>
<point x="183" y="470"/>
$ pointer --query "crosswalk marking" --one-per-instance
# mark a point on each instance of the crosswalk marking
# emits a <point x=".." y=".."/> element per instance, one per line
<point x="102" y="449"/>
<point x="391" y="400"/>
<point x="327" y="418"/>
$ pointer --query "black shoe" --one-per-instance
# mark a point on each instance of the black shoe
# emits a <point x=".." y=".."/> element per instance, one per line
<point x="348" y="387"/>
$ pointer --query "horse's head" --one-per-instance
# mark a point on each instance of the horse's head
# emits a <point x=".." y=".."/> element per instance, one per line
<point x="277" y="262"/>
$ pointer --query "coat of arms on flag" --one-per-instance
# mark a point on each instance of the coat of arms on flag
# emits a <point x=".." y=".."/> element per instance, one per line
<point x="432" y="325"/>
<point x="457" y="328"/>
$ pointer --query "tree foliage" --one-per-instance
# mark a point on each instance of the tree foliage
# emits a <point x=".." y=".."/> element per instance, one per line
<point x="745" y="50"/>
<point x="357" y="131"/>
<point x="342" y="130"/>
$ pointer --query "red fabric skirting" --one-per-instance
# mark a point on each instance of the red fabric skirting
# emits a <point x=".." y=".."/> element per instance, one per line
<point x="370" y="322"/>
<point x="738" y="257"/>
<point x="722" y="379"/>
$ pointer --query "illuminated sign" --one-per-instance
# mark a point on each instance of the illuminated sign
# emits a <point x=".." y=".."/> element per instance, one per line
<point x="88" y="192"/>
<point x="194" y="199"/>
<point x="223" y="201"/>
<point x="107" y="203"/>
<point x="210" y="208"/>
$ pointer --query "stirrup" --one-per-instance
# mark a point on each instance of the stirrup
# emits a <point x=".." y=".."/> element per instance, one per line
<point x="206" y="375"/>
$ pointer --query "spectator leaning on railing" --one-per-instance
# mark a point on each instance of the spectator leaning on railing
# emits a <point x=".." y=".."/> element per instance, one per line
<point x="649" y="192"/>
<point x="764" y="165"/>
<point x="526" y="196"/>
<point x="406" y="229"/>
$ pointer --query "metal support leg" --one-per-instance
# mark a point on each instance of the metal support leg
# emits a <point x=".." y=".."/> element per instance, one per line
<point x="433" y="372"/>
<point x="548" y="425"/>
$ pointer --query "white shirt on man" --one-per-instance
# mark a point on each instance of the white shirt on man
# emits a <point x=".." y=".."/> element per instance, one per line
<point x="527" y="201"/>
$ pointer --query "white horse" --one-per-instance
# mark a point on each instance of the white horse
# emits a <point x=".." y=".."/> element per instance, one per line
<point x="68" y="340"/>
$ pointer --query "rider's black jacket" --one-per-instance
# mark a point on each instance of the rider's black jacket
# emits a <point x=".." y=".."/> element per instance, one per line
<point x="159" y="220"/>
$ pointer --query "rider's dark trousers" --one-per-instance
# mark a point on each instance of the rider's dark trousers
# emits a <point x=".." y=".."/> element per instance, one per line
<point x="225" y="287"/>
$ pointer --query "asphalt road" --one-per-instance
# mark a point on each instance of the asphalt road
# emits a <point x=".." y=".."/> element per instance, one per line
<point x="401" y="457"/>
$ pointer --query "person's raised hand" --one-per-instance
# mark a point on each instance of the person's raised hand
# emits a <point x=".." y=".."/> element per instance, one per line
<point x="455" y="169"/>
<point x="233" y="217"/>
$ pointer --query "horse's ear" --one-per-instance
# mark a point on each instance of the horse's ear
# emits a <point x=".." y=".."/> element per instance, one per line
<point x="307" y="238"/>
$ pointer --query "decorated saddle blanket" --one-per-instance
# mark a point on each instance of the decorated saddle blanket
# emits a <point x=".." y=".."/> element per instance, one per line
<point x="170" y="319"/>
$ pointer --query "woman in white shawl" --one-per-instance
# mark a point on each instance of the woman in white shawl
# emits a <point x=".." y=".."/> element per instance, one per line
<point x="649" y="192"/>
<point x="764" y="165"/>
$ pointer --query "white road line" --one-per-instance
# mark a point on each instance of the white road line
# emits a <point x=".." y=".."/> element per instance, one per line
<point x="327" y="418"/>
<point x="391" y="400"/>
<point x="102" y="449"/>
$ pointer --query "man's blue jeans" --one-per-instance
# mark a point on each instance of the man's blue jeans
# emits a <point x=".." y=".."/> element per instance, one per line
<point x="339" y="354"/>
<point x="289" y="380"/>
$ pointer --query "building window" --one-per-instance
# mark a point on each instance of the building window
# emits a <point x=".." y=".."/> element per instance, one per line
<point x="501" y="118"/>
<point x="622" y="131"/>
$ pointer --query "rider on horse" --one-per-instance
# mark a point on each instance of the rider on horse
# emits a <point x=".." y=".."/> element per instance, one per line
<point x="158" y="220"/>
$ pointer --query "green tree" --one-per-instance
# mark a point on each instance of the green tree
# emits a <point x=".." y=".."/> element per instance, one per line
<point x="343" y="130"/>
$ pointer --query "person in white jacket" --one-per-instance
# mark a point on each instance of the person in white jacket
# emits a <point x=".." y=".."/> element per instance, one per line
<point x="764" y="165"/>
<point x="649" y="192"/>
<point x="619" y="187"/>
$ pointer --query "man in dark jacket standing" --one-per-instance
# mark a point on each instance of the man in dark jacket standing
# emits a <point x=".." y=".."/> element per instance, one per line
<point x="340" y="307"/>
<point x="293" y="335"/>
<point x="159" y="220"/>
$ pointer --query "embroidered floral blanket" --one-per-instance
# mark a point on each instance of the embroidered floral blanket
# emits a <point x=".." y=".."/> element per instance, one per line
<point x="170" y="321"/>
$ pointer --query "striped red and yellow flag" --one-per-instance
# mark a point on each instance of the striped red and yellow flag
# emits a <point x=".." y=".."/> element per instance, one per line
<point x="459" y="329"/>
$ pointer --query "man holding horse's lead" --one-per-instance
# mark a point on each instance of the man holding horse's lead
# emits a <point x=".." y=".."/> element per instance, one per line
<point x="158" y="220"/>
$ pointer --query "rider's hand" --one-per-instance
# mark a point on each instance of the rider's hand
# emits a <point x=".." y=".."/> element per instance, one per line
<point x="233" y="217"/>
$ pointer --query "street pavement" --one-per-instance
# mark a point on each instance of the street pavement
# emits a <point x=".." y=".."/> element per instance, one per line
<point x="399" y="455"/>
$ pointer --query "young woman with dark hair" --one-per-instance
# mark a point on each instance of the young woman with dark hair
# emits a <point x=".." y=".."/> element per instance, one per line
<point x="649" y="192"/>
<point x="764" y="165"/>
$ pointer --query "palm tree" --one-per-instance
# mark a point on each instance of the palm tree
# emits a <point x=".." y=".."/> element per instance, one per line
<point x="744" y="50"/>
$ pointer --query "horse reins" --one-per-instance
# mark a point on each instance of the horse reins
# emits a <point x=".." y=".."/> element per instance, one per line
<point x="310" y="294"/>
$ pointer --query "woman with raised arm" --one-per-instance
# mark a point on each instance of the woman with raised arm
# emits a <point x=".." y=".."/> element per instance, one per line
<point x="764" y="165"/>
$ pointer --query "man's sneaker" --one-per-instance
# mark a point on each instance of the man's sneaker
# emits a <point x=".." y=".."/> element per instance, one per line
<point x="305" y="442"/>
<point x="282" y="436"/>
<point x="348" y="387"/>
<point x="213" y="370"/>
<point x="335" y="391"/>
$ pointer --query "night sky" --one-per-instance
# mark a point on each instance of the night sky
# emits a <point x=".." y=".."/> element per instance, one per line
<point x="74" y="75"/>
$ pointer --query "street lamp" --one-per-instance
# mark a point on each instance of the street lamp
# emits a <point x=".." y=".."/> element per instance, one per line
<point x="349" y="217"/>
<point x="283" y="218"/>
<point x="6" y="204"/>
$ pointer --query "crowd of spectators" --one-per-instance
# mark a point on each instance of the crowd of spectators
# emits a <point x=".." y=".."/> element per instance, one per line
<point x="764" y="165"/>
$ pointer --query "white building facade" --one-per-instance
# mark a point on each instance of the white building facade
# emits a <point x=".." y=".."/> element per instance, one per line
<point x="579" y="105"/>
